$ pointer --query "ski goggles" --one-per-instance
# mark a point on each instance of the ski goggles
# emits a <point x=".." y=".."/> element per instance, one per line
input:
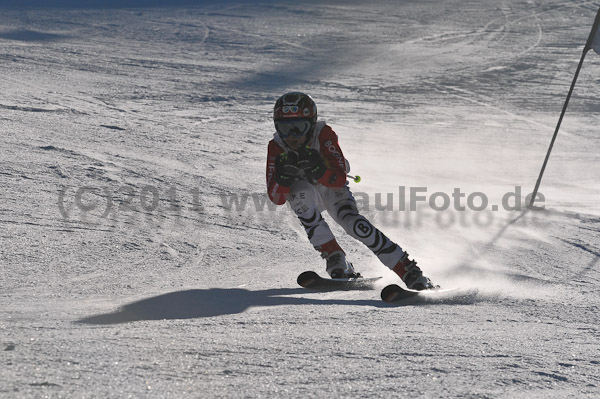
<point x="293" y="127"/>
<point x="286" y="109"/>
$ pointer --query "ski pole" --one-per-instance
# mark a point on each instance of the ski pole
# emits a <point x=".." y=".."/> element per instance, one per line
<point x="355" y="178"/>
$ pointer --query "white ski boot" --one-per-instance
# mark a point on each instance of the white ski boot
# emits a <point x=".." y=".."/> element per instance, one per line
<point x="339" y="267"/>
<point x="412" y="275"/>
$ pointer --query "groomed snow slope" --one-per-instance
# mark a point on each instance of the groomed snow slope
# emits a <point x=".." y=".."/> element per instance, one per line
<point x="128" y="135"/>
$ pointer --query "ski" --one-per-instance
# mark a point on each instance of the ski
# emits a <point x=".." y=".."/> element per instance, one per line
<point x="313" y="281"/>
<point x="394" y="293"/>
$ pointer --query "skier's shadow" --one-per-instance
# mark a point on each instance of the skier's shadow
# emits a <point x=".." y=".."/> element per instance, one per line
<point x="199" y="303"/>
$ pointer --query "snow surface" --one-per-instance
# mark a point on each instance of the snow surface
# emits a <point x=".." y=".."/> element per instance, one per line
<point x="148" y="284"/>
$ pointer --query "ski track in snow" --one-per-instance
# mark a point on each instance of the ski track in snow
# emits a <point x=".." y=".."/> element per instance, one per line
<point x="129" y="135"/>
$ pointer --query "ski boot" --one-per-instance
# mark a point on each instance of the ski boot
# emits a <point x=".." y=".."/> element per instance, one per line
<point x="337" y="265"/>
<point x="412" y="275"/>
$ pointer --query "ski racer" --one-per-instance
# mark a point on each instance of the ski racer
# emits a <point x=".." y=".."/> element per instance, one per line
<point x="306" y="167"/>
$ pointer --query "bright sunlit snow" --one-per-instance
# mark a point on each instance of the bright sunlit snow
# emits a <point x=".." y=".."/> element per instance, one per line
<point x="140" y="257"/>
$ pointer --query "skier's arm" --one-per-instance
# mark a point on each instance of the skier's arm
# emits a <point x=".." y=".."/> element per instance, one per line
<point x="335" y="175"/>
<point x="277" y="192"/>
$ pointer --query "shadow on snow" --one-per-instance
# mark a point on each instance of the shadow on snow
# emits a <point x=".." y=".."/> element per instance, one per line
<point x="199" y="303"/>
<point x="78" y="4"/>
<point x="27" y="35"/>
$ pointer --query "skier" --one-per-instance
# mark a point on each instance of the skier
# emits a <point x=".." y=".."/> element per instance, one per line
<point x="306" y="167"/>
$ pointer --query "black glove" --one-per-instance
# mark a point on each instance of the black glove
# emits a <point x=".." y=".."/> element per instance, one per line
<point x="286" y="168"/>
<point x="311" y="162"/>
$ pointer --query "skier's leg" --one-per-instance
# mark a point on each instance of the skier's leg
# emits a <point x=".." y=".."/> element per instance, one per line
<point x="306" y="202"/>
<point x="341" y="205"/>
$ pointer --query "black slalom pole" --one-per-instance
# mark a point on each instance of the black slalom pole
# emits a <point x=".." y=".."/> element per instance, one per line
<point x="587" y="47"/>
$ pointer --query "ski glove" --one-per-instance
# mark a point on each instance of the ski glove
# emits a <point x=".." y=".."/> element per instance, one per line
<point x="311" y="163"/>
<point x="286" y="168"/>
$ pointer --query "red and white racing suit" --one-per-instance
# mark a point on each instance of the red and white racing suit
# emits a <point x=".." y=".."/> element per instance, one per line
<point x="330" y="193"/>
